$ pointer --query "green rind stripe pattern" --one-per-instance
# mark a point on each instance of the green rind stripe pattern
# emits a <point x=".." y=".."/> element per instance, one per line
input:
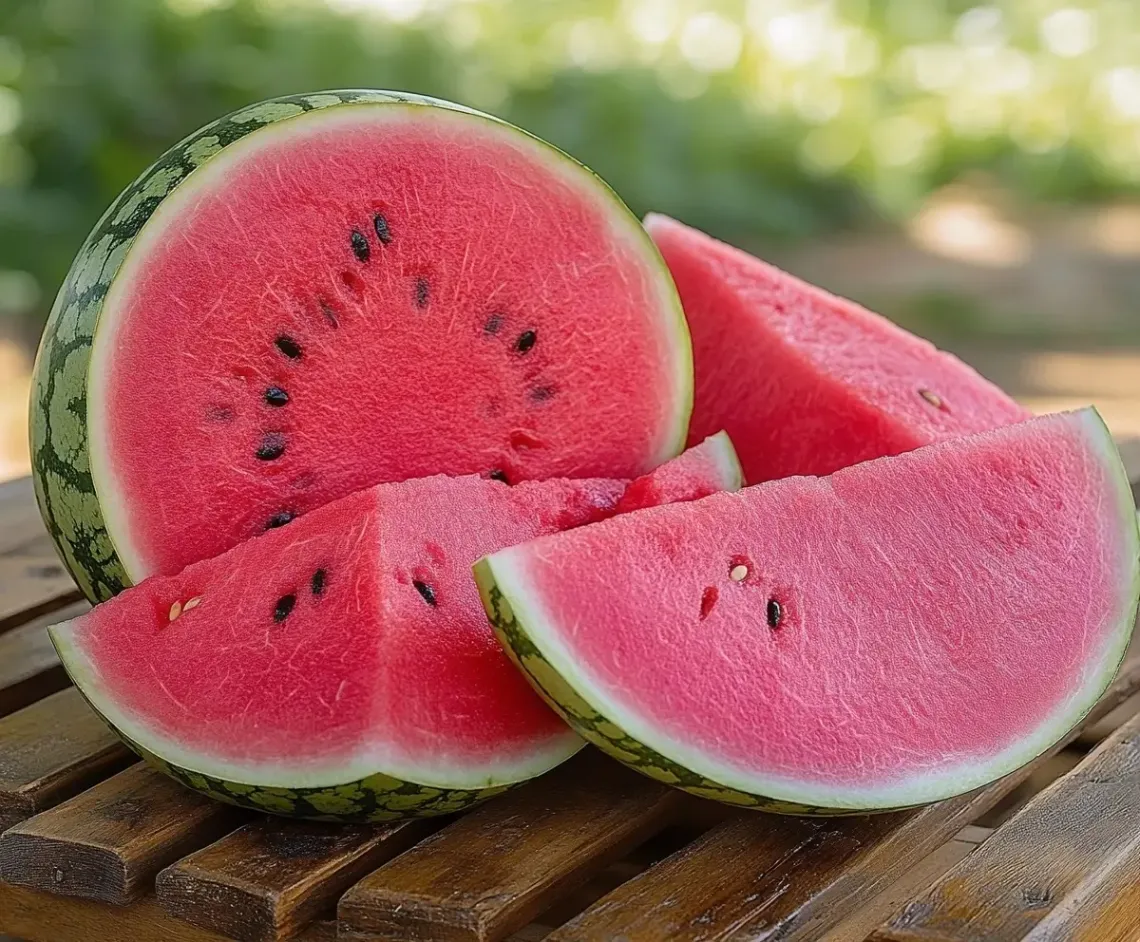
<point x="64" y="487"/>
<point x="602" y="731"/>
<point x="375" y="798"/>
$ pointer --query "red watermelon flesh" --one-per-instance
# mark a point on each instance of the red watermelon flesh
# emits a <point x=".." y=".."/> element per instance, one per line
<point x="905" y="630"/>
<point x="373" y="293"/>
<point x="806" y="382"/>
<point x="351" y="642"/>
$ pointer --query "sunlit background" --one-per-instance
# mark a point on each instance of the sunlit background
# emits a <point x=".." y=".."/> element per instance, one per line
<point x="973" y="171"/>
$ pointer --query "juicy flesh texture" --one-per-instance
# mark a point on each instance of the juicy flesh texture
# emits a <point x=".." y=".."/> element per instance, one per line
<point x="806" y="382"/>
<point x="503" y="322"/>
<point x="933" y="608"/>
<point x="365" y="665"/>
<point x="702" y="470"/>
<point x="362" y="661"/>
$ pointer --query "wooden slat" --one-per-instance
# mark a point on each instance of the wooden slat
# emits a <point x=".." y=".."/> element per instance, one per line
<point x="29" y="668"/>
<point x="762" y="876"/>
<point x="42" y="917"/>
<point x="32" y="581"/>
<point x="491" y="872"/>
<point x="51" y="751"/>
<point x="1076" y="839"/>
<point x="109" y="842"/>
<point x="857" y="926"/>
<point x="270" y="878"/>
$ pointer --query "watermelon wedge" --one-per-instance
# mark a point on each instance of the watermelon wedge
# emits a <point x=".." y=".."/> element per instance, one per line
<point x="906" y="630"/>
<point x="803" y="381"/>
<point x="323" y="292"/>
<point x="342" y="667"/>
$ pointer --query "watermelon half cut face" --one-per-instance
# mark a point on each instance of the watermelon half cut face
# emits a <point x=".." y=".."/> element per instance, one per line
<point x="324" y="292"/>
<point x="806" y="382"/>
<point x="343" y="666"/>
<point x="903" y="631"/>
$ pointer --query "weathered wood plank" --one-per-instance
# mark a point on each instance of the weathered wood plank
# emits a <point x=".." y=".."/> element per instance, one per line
<point x="29" y="668"/>
<point x="794" y="879"/>
<point x="42" y="917"/>
<point x="269" y="879"/>
<point x="490" y="873"/>
<point x="51" y="751"/>
<point x="1063" y="854"/>
<point x="108" y="842"/>
<point x="32" y="580"/>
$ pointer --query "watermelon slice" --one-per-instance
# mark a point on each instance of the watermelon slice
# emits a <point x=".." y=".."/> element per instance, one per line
<point x="805" y="382"/>
<point x="904" y="631"/>
<point x="343" y="666"/>
<point x="323" y="292"/>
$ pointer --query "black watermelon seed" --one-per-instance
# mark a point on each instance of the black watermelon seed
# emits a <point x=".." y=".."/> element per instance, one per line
<point x="272" y="447"/>
<point x="775" y="613"/>
<point x="542" y="393"/>
<point x="526" y="340"/>
<point x="426" y="591"/>
<point x="423" y="289"/>
<point x="498" y="474"/>
<point x="283" y="607"/>
<point x="289" y="347"/>
<point x="383" y="233"/>
<point x="360" y="247"/>
<point x="318" y="582"/>
<point x="279" y="519"/>
<point x="494" y="322"/>
<point x="276" y="396"/>
<point x="330" y="314"/>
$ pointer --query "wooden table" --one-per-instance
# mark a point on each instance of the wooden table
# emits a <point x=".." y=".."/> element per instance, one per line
<point x="98" y="848"/>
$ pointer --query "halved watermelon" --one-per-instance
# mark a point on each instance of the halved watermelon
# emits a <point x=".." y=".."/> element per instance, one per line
<point x="326" y="291"/>
<point x="343" y="666"/>
<point x="905" y="630"/>
<point x="803" y="381"/>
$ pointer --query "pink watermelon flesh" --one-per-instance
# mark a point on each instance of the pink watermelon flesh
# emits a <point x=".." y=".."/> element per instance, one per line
<point x="513" y="321"/>
<point x="806" y="382"/>
<point x="348" y="643"/>
<point x="941" y="617"/>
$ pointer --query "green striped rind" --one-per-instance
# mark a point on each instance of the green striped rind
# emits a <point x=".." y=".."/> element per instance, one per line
<point x="603" y="732"/>
<point x="65" y="489"/>
<point x="375" y="798"/>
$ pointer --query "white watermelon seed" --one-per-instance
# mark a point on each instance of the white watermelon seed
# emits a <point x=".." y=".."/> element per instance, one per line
<point x="175" y="610"/>
<point x="932" y="397"/>
<point x="192" y="603"/>
<point x="738" y="573"/>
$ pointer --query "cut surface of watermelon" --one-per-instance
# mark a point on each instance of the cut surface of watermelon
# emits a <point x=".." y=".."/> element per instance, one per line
<point x="905" y="630"/>
<point x="345" y="658"/>
<point x="806" y="382"/>
<point x="323" y="292"/>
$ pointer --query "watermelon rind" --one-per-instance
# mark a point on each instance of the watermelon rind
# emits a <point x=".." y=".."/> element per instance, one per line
<point x="71" y="482"/>
<point x="357" y="795"/>
<point x="527" y="630"/>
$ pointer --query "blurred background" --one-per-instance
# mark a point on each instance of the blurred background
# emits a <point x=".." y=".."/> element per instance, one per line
<point x="972" y="171"/>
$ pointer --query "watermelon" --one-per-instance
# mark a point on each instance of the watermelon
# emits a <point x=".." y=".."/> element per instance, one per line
<point x="323" y="292"/>
<point x="342" y="667"/>
<point x="903" y="631"/>
<point x="805" y="382"/>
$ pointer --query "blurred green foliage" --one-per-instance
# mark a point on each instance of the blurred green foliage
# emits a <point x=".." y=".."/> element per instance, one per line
<point x="758" y="120"/>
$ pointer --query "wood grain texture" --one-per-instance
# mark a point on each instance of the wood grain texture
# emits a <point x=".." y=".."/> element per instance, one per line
<point x="51" y="751"/>
<point x="29" y="668"/>
<point x="32" y="580"/>
<point x="108" y="843"/>
<point x="490" y="873"/>
<point x="41" y="917"/>
<point x="762" y="876"/>
<point x="269" y="879"/>
<point x="1064" y="860"/>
